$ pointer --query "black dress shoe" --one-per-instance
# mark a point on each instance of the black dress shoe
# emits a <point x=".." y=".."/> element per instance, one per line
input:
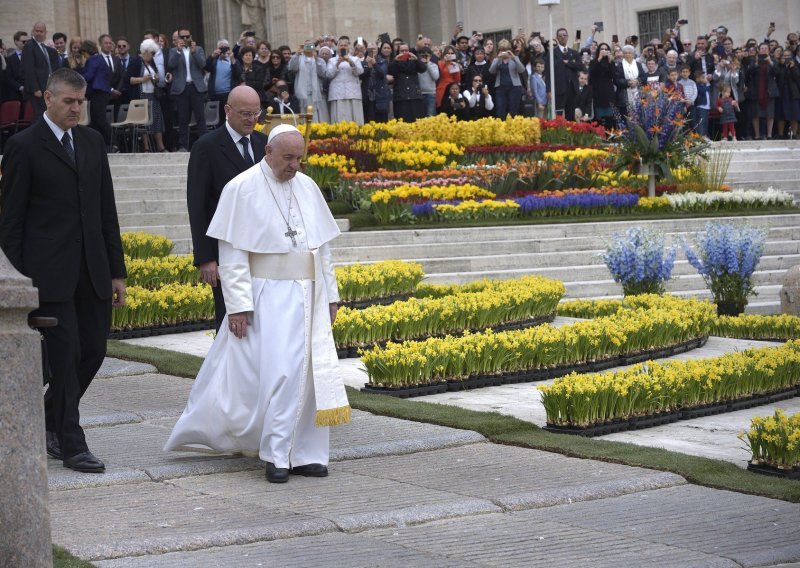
<point x="277" y="474"/>
<point x="53" y="447"/>
<point x="85" y="462"/>
<point x="310" y="470"/>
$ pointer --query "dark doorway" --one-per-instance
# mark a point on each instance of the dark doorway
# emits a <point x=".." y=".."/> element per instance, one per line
<point x="130" y="18"/>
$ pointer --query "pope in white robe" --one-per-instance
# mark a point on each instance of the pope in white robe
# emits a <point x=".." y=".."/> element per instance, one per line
<point x="270" y="386"/>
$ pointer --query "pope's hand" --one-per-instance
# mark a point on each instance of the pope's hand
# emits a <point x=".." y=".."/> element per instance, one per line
<point x="237" y="323"/>
<point x="334" y="308"/>
<point x="209" y="273"/>
<point x="117" y="292"/>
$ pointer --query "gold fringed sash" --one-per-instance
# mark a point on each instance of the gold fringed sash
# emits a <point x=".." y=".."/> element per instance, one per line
<point x="333" y="416"/>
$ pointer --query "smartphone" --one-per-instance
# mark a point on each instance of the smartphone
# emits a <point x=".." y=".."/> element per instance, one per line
<point x="599" y="26"/>
<point x="772" y="24"/>
<point x="308" y="46"/>
<point x="250" y="33"/>
<point x="536" y="34"/>
<point x="343" y="52"/>
<point x="615" y="38"/>
<point x="577" y="34"/>
<point x="683" y="22"/>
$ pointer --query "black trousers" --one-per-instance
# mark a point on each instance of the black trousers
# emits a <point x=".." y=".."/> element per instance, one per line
<point x="219" y="304"/>
<point x="189" y="102"/>
<point x="75" y="350"/>
<point x="97" y="113"/>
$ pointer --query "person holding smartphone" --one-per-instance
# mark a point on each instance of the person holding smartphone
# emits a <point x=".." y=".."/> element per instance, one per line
<point x="225" y="73"/>
<point x="601" y="79"/>
<point x="407" y="95"/>
<point x="344" y="91"/>
<point x="308" y="69"/>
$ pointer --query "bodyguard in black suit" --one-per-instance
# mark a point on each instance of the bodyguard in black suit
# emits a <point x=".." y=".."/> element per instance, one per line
<point x="38" y="62"/>
<point x="216" y="159"/>
<point x="566" y="64"/>
<point x="59" y="227"/>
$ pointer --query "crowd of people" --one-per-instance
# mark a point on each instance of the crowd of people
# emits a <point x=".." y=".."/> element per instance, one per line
<point x="729" y="86"/>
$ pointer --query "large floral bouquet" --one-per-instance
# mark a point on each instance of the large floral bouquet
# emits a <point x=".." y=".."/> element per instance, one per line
<point x="639" y="261"/>
<point x="726" y="258"/>
<point x="654" y="134"/>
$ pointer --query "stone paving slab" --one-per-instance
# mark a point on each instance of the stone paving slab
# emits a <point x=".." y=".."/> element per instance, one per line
<point x="119" y="368"/>
<point x="326" y="550"/>
<point x="154" y="518"/>
<point x="148" y="396"/>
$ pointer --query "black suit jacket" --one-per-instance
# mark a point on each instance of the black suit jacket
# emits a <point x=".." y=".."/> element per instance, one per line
<point x="565" y="70"/>
<point x="53" y="212"/>
<point x="35" y="68"/>
<point x="14" y="78"/>
<point x="215" y="160"/>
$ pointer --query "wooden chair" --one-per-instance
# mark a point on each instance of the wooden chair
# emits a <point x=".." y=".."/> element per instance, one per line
<point x="270" y="121"/>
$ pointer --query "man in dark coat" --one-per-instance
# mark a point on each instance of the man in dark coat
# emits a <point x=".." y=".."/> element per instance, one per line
<point x="566" y="64"/>
<point x="38" y="62"/>
<point x="59" y="227"/>
<point x="215" y="160"/>
<point x="104" y="77"/>
<point x="405" y="68"/>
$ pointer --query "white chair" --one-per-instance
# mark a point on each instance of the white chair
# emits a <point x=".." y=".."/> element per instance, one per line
<point x="212" y="114"/>
<point x="137" y="119"/>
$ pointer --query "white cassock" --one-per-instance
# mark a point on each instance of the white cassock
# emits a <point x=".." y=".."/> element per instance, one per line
<point x="274" y="392"/>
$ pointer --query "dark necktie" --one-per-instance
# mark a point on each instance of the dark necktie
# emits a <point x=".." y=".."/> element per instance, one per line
<point x="110" y="64"/>
<point x="46" y="58"/>
<point x="245" y="152"/>
<point x="66" y="141"/>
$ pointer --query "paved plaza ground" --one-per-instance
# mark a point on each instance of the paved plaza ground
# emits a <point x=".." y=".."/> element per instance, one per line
<point x="402" y="493"/>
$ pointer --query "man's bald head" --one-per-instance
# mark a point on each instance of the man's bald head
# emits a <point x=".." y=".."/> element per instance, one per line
<point x="243" y="109"/>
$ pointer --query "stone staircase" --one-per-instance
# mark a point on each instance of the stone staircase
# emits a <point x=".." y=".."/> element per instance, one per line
<point x="151" y="196"/>
<point x="567" y="252"/>
<point x="764" y="164"/>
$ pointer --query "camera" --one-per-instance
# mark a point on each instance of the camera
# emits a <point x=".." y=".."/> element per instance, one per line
<point x="249" y="33"/>
<point x="308" y="46"/>
<point x="683" y="22"/>
<point x="224" y="49"/>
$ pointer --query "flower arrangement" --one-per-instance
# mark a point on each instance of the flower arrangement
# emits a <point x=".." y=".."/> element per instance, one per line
<point x="476" y="210"/>
<point x="562" y="131"/>
<point x="774" y="440"/>
<point x="639" y="261"/>
<point x="653" y="134"/>
<point x="651" y="388"/>
<point x="499" y="302"/>
<point x="670" y="321"/>
<point x="145" y="245"/>
<point x="575" y="154"/>
<point x="499" y="154"/>
<point x="379" y="280"/>
<point x="751" y="326"/>
<point x="726" y="258"/>
<point x="725" y="200"/>
<point x="325" y="169"/>
<point x="576" y="202"/>
<point x="486" y="131"/>
<point x="418" y="154"/>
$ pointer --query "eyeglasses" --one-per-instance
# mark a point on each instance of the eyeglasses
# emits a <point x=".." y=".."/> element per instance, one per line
<point x="122" y="47"/>
<point x="246" y="114"/>
<point x="186" y="37"/>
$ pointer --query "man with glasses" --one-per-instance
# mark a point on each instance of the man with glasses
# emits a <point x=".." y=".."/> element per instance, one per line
<point x="186" y="62"/>
<point x="104" y="78"/>
<point x="566" y="64"/>
<point x="215" y="160"/>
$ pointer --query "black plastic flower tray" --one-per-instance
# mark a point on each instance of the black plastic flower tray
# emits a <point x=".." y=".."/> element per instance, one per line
<point x="590" y="431"/>
<point x="166" y="329"/>
<point x="385" y="301"/>
<point x="773" y="471"/>
<point x="407" y="392"/>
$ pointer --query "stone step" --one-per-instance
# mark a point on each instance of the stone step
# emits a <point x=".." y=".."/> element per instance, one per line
<point x="770" y="176"/>
<point x="151" y="206"/>
<point x="566" y="230"/>
<point x="776" y="164"/>
<point x="135" y="194"/>
<point x="154" y="220"/>
<point x="789" y="186"/>
<point x="177" y="181"/>
<point x="157" y="158"/>
<point x="148" y="170"/>
<point x="571" y="245"/>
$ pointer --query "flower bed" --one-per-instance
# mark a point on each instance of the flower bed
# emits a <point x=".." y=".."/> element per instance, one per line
<point x="670" y="321"/>
<point x="358" y="282"/>
<point x="498" y="303"/>
<point x="719" y="201"/>
<point x="774" y="443"/>
<point x="751" y="326"/>
<point x="169" y="304"/>
<point x="159" y="270"/>
<point x="670" y="390"/>
<point x="145" y="245"/>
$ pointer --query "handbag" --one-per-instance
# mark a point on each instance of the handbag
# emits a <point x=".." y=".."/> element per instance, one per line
<point x="528" y="107"/>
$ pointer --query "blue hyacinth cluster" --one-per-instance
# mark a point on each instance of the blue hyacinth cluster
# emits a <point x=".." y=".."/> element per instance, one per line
<point x="726" y="257"/>
<point x="658" y="113"/>
<point x="639" y="260"/>
<point x="531" y="203"/>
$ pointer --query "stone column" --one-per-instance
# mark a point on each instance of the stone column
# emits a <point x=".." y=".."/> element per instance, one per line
<point x="24" y="512"/>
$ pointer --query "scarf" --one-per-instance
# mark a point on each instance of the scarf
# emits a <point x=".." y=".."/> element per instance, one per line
<point x="631" y="71"/>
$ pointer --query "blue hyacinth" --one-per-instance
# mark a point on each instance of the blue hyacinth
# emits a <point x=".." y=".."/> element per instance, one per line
<point x="726" y="258"/>
<point x="639" y="261"/>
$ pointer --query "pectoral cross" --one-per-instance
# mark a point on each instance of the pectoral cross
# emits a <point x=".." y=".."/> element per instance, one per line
<point x="291" y="233"/>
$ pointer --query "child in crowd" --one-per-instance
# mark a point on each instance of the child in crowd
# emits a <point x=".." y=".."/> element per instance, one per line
<point x="689" y="93"/>
<point x="702" y="103"/>
<point x="671" y="85"/>
<point x="726" y="105"/>
<point x="583" y="98"/>
<point x="539" y="88"/>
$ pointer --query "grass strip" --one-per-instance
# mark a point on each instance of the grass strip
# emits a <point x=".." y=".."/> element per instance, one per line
<point x="503" y="429"/>
<point x="63" y="559"/>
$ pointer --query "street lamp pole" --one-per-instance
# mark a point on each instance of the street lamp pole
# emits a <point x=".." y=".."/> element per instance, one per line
<point x="550" y="4"/>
